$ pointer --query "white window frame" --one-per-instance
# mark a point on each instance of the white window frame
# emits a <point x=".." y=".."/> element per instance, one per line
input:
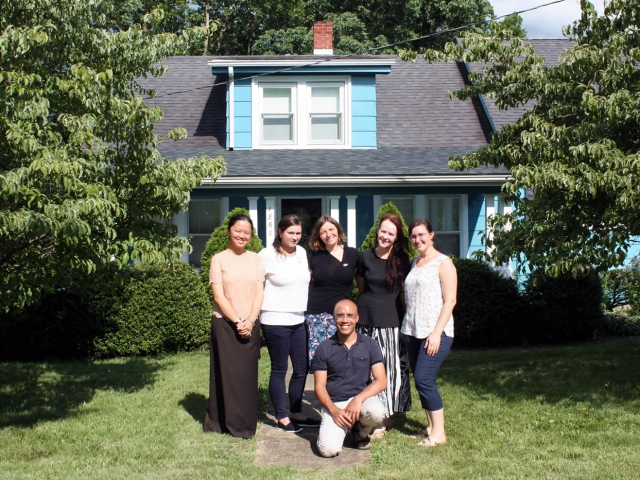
<point x="294" y="115"/>
<point x="301" y="92"/>
<point x="421" y="210"/>
<point x="224" y="210"/>
<point x="462" y="208"/>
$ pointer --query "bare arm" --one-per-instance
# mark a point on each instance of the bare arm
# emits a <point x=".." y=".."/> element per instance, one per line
<point x="257" y="301"/>
<point x="378" y="385"/>
<point x="339" y="415"/>
<point x="449" y="283"/>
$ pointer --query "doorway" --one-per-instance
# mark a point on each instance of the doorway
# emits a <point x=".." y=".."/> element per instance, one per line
<point x="308" y="210"/>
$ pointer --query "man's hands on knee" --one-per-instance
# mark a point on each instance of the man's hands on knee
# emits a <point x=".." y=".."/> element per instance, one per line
<point x="341" y="417"/>
<point x="354" y="409"/>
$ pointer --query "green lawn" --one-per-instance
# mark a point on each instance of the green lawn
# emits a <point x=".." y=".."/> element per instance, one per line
<point x="565" y="412"/>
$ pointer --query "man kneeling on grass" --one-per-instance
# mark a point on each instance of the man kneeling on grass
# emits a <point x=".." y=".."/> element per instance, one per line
<point x="341" y="369"/>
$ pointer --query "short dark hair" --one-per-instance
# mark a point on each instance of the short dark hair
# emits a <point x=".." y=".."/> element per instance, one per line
<point x="315" y="243"/>
<point x="423" y="222"/>
<point x="239" y="217"/>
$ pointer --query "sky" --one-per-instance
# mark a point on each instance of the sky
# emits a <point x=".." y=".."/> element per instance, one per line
<point x="545" y="22"/>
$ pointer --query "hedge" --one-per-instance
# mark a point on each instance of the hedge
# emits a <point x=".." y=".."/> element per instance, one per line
<point x="489" y="308"/>
<point x="139" y="310"/>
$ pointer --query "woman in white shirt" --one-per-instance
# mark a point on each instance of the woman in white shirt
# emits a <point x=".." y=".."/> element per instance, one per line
<point x="282" y="318"/>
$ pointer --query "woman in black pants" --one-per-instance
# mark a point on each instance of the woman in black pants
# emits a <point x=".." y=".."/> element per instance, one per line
<point x="282" y="318"/>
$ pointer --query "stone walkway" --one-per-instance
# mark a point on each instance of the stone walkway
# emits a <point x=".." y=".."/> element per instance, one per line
<point x="276" y="447"/>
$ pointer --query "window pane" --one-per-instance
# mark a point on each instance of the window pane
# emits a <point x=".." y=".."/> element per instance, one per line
<point x="277" y="128"/>
<point x="276" y="100"/>
<point x="404" y="204"/>
<point x="448" y="243"/>
<point x="204" y="215"/>
<point x="444" y="214"/>
<point x="325" y="100"/>
<point x="325" y="127"/>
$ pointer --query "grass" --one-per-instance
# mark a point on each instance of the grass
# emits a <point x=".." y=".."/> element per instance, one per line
<point x="562" y="412"/>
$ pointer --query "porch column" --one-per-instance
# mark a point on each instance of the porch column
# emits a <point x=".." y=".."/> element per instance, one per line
<point x="181" y="220"/>
<point x="334" y="207"/>
<point x="270" y="219"/>
<point x="351" y="221"/>
<point x="490" y="211"/>
<point x="253" y="211"/>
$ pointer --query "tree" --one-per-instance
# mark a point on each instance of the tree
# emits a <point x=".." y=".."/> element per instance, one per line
<point x="512" y="22"/>
<point x="575" y="150"/>
<point x="82" y="184"/>
<point x="371" y="240"/>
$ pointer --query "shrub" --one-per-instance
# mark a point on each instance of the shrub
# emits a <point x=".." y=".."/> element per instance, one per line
<point x="63" y="325"/>
<point x="618" y="324"/>
<point x="219" y="241"/>
<point x="143" y="309"/>
<point x="562" y="309"/>
<point x="489" y="307"/>
<point x="158" y="309"/>
<point x="370" y="240"/>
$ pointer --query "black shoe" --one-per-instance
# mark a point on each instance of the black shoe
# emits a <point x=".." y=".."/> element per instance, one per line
<point x="291" y="427"/>
<point x="309" y="423"/>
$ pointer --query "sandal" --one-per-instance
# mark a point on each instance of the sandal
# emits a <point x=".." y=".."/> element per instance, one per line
<point x="419" y="434"/>
<point x="364" y="444"/>
<point x="379" y="433"/>
<point x="427" y="442"/>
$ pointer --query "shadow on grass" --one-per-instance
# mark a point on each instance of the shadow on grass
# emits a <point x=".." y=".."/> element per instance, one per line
<point x="596" y="373"/>
<point x="34" y="392"/>
<point x="195" y="404"/>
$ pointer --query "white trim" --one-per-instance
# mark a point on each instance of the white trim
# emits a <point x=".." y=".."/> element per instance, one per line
<point x="300" y="97"/>
<point x="253" y="211"/>
<point x="224" y="62"/>
<point x="490" y="211"/>
<point x="323" y="51"/>
<point x="334" y="205"/>
<point x="361" y="180"/>
<point x="270" y="219"/>
<point x="232" y="110"/>
<point x="464" y="227"/>
<point x="181" y="221"/>
<point x="351" y="220"/>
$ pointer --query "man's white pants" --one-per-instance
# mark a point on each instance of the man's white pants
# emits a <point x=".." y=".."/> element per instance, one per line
<point x="331" y="436"/>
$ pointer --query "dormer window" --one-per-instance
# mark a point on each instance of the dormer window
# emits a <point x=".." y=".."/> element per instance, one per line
<point x="306" y="112"/>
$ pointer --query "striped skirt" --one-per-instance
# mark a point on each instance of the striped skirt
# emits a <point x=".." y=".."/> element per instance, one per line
<point x="397" y="397"/>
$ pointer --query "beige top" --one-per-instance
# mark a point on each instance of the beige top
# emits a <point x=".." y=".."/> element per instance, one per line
<point x="239" y="275"/>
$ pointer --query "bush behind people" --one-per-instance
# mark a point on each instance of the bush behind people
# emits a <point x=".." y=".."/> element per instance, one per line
<point x="143" y="309"/>
<point x="219" y="241"/>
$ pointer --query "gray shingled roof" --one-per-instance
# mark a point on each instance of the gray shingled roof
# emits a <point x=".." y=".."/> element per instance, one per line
<point x="419" y="127"/>
<point x="551" y="51"/>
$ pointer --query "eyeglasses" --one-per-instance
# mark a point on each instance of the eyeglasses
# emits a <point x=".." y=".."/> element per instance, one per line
<point x="350" y="316"/>
<point x="419" y="236"/>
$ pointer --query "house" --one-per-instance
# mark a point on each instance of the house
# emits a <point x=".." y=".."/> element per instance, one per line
<point x="324" y="134"/>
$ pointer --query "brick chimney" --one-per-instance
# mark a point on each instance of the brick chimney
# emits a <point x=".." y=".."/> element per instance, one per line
<point x="323" y="37"/>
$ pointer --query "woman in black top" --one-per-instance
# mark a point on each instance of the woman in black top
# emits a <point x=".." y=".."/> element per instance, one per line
<point x="332" y="266"/>
<point x="380" y="275"/>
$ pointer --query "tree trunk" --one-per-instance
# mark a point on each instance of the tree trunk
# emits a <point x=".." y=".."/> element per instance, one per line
<point x="206" y="24"/>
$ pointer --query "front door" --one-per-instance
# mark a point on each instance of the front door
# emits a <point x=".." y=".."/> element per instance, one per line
<point x="308" y="211"/>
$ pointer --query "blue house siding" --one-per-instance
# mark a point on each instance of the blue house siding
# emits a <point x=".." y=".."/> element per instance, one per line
<point x="242" y="105"/>
<point x="363" y="112"/>
<point x="477" y="222"/>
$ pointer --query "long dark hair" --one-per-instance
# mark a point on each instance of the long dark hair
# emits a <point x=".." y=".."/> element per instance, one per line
<point x="398" y="263"/>
<point x="284" y="223"/>
<point x="315" y="242"/>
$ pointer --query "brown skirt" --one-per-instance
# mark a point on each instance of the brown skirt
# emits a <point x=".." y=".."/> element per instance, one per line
<point x="233" y="385"/>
